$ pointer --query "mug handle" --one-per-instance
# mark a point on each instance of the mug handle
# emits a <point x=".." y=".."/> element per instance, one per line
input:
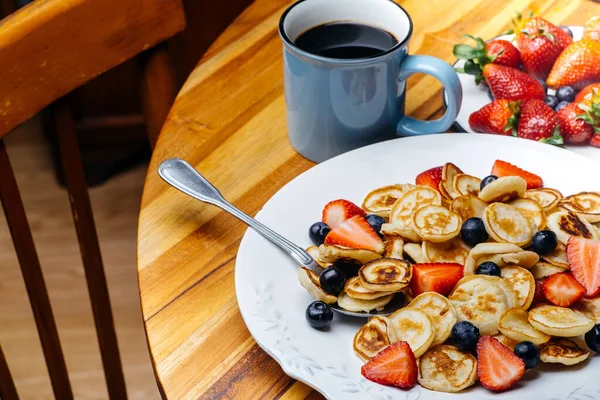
<point x="443" y="72"/>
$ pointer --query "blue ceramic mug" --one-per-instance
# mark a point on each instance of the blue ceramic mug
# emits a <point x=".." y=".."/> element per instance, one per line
<point x="337" y="105"/>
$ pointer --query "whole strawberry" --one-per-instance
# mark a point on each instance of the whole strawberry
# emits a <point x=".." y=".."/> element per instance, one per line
<point x="534" y="26"/>
<point x="538" y="122"/>
<point x="595" y="140"/>
<point x="572" y="127"/>
<point x="539" y="53"/>
<point x="587" y="93"/>
<point x="511" y="84"/>
<point x="577" y="66"/>
<point x="498" y="117"/>
<point x="501" y="52"/>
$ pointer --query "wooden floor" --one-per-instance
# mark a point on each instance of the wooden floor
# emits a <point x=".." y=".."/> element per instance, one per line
<point x="116" y="207"/>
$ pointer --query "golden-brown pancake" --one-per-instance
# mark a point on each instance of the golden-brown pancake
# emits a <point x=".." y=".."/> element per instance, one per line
<point x="559" y="321"/>
<point x="354" y="288"/>
<point x="514" y="324"/>
<point x="506" y="224"/>
<point x="371" y="338"/>
<point x="452" y="251"/>
<point x="466" y="184"/>
<point x="445" y="368"/>
<point x="545" y="197"/>
<point x="521" y="281"/>
<point x="562" y="351"/>
<point x="381" y="200"/>
<point x="504" y="189"/>
<point x="413" y="326"/>
<point x="440" y="311"/>
<point x="329" y="253"/>
<point x="585" y="204"/>
<point x="310" y="281"/>
<point x="385" y="275"/>
<point x="436" y="223"/>
<point x="404" y="208"/>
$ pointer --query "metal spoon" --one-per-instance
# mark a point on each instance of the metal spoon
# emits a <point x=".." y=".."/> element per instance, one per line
<point x="181" y="175"/>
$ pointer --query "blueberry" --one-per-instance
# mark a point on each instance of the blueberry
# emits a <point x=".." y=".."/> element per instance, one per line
<point x="567" y="29"/>
<point x="488" y="268"/>
<point x="348" y="267"/>
<point x="376" y="221"/>
<point x="592" y="338"/>
<point x="465" y="335"/>
<point x="332" y="280"/>
<point x="317" y="232"/>
<point x="544" y="242"/>
<point x="552" y="101"/>
<point x="319" y="314"/>
<point x="487" y="180"/>
<point x="529" y="353"/>
<point x="473" y="232"/>
<point x="561" y="105"/>
<point x="566" y="93"/>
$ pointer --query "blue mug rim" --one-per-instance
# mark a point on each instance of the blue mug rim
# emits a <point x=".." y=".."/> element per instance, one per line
<point x="293" y="46"/>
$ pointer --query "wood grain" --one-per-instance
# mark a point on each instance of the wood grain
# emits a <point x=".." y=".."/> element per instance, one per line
<point x="51" y="47"/>
<point x="229" y="122"/>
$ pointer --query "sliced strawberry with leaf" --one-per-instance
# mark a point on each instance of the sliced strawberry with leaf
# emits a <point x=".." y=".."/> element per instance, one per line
<point x="395" y="365"/>
<point x="435" y="277"/>
<point x="432" y="178"/>
<point x="355" y="233"/>
<point x="498" y="368"/>
<point x="563" y="290"/>
<point x="496" y="51"/>
<point x="503" y="168"/>
<point x="337" y="211"/>
<point x="500" y="117"/>
<point x="539" y="122"/>
<point x="583" y="256"/>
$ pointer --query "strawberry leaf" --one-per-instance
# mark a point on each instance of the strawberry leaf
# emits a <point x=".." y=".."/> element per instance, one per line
<point x="555" y="139"/>
<point x="465" y="52"/>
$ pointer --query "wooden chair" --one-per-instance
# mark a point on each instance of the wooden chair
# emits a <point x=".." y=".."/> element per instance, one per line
<point x="48" y="49"/>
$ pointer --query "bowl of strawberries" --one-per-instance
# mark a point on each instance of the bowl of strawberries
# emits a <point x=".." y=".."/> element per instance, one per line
<point x="539" y="81"/>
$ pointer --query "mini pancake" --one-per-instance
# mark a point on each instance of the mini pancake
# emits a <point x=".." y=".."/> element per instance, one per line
<point x="558" y="257"/>
<point x="413" y="326"/>
<point x="559" y="321"/>
<point x="531" y="209"/>
<point x="466" y="184"/>
<point x="562" y="351"/>
<point x="329" y="253"/>
<point x="310" y="281"/>
<point x="440" y="311"/>
<point x="521" y="281"/>
<point x="415" y="252"/>
<point x="385" y="275"/>
<point x="585" y="204"/>
<point x="523" y="258"/>
<point x="504" y="189"/>
<point x="506" y="224"/>
<point x="447" y="183"/>
<point x="543" y="269"/>
<point x="452" y="251"/>
<point x="513" y="323"/>
<point x="436" y="223"/>
<point x="468" y="206"/>
<point x="484" y="250"/>
<point x="589" y="307"/>
<point x="404" y="208"/>
<point x="566" y="224"/>
<point x="371" y="338"/>
<point x="313" y="251"/>
<point x="481" y="300"/>
<point x="445" y="368"/>
<point x="381" y="200"/>
<point x="354" y="288"/>
<point x="360" y="305"/>
<point x="394" y="248"/>
<point x="547" y="198"/>
<point x="505" y="340"/>
<point x="398" y="231"/>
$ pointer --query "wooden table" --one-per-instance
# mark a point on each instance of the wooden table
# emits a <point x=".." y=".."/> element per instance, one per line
<point x="229" y="122"/>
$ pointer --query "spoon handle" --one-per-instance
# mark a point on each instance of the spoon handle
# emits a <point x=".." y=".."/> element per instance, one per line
<point x="182" y="176"/>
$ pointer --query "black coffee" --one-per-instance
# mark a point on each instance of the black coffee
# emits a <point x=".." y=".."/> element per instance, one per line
<point x="346" y="40"/>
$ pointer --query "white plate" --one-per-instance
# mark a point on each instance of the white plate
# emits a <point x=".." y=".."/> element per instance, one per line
<point x="477" y="96"/>
<point x="273" y="303"/>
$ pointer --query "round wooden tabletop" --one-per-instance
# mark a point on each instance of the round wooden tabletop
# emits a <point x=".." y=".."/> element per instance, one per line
<point x="229" y="122"/>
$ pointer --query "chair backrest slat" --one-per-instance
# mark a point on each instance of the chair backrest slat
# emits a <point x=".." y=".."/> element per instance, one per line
<point x="89" y="249"/>
<point x="8" y="391"/>
<point x="34" y="280"/>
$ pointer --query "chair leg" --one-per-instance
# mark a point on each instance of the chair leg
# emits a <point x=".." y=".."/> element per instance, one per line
<point x="159" y="89"/>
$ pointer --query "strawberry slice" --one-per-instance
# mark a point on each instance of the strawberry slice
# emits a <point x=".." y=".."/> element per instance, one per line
<point x="356" y="233"/>
<point x="584" y="261"/>
<point x="503" y="168"/>
<point x="432" y="178"/>
<point x="337" y="211"/>
<point x="498" y="368"/>
<point x="539" y="296"/>
<point x="435" y="277"/>
<point x="563" y="290"/>
<point x="395" y="365"/>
